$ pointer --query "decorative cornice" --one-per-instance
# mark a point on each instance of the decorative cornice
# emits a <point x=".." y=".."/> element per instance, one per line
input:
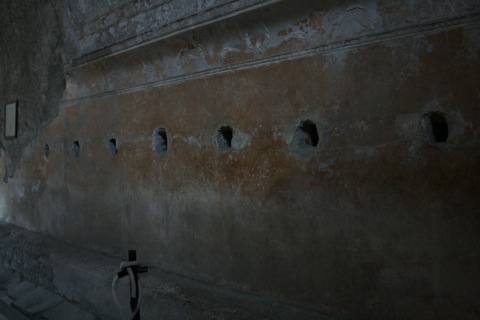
<point x="101" y="44"/>
<point x="351" y="43"/>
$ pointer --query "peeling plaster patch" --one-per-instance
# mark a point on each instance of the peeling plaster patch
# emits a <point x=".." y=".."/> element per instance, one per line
<point x="18" y="189"/>
<point x="456" y="122"/>
<point x="30" y="149"/>
<point x="351" y="21"/>
<point x="90" y="41"/>
<point x="361" y="125"/>
<point x="303" y="30"/>
<point x="471" y="43"/>
<point x="325" y="164"/>
<point x="122" y="23"/>
<point x="366" y="152"/>
<point x="194" y="141"/>
<point x="306" y="28"/>
<point x="336" y="59"/>
<point x="148" y="70"/>
<point x="336" y="130"/>
<point x="428" y="9"/>
<point x="429" y="48"/>
<point x="456" y="125"/>
<point x="278" y="133"/>
<point x="411" y="59"/>
<point x="421" y="9"/>
<point x="227" y="52"/>
<point x="335" y="108"/>
<point x="257" y="41"/>
<point x="36" y="185"/>
<point x="407" y="126"/>
<point x="241" y="140"/>
<point x="4" y="212"/>
<point x="322" y="165"/>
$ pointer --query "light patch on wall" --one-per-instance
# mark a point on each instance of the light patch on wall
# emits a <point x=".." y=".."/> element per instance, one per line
<point x="242" y="140"/>
<point x="305" y="139"/>
<point x="10" y="124"/>
<point x="3" y="195"/>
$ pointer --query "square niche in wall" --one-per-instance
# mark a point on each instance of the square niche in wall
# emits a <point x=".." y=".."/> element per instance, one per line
<point x="10" y="120"/>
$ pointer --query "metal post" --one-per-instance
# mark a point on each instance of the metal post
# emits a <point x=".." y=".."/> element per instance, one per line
<point x="132" y="256"/>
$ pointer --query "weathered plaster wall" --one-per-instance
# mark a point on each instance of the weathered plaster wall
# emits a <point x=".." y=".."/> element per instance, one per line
<point x="375" y="222"/>
<point x="110" y="27"/>
<point x="31" y="70"/>
<point x="277" y="33"/>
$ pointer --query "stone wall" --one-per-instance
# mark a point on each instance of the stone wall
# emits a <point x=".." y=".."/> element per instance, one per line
<point x="31" y="70"/>
<point x="321" y="154"/>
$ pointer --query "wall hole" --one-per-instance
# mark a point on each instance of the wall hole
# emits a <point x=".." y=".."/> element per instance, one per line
<point x="160" y="141"/>
<point x="224" y="138"/>
<point x="305" y="139"/>
<point x="76" y="149"/>
<point x="310" y="133"/>
<point x="46" y="150"/>
<point x="436" y="127"/>
<point x="112" y="146"/>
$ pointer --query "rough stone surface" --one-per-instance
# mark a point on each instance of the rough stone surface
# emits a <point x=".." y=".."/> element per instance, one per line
<point x="7" y="312"/>
<point x="67" y="310"/>
<point x="21" y="289"/>
<point x="85" y="278"/>
<point x="31" y="64"/>
<point x="131" y="24"/>
<point x="377" y="221"/>
<point x="8" y="280"/>
<point x="36" y="302"/>
<point x="21" y="300"/>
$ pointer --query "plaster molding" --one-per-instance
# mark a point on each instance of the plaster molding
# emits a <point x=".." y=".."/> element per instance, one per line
<point x="100" y="39"/>
<point x="424" y="29"/>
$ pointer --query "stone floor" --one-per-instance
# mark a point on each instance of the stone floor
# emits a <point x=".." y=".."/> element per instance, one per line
<point x="43" y="278"/>
<point x="22" y="300"/>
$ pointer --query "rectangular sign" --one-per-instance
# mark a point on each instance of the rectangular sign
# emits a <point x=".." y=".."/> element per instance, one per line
<point x="11" y="121"/>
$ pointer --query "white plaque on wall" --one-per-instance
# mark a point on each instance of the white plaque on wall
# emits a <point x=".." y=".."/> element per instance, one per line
<point x="11" y="120"/>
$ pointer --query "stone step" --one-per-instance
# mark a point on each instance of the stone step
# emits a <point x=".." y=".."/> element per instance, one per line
<point x="20" y="289"/>
<point x="4" y="296"/>
<point x="36" y="302"/>
<point x="8" y="280"/>
<point x="9" y="313"/>
<point x="22" y="300"/>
